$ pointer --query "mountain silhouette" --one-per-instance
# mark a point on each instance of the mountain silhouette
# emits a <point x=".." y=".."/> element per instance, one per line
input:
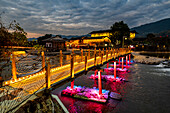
<point x="161" y="27"/>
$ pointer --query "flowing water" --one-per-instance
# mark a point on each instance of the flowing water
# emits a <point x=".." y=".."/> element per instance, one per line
<point x="148" y="91"/>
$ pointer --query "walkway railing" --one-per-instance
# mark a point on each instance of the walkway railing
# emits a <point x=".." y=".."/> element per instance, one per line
<point x="53" y="70"/>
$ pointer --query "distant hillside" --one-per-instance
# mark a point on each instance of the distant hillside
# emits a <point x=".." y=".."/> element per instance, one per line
<point x="75" y="36"/>
<point x="31" y="39"/>
<point x="63" y="36"/>
<point x="159" y="27"/>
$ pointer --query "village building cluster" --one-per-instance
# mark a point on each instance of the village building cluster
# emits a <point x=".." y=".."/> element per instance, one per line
<point x="98" y="39"/>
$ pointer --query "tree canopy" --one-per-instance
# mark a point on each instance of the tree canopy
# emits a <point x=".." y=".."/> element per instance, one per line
<point x="12" y="34"/>
<point x="44" y="37"/>
<point x="119" y="30"/>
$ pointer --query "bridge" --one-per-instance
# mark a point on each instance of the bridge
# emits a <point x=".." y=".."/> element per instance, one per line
<point x="52" y="71"/>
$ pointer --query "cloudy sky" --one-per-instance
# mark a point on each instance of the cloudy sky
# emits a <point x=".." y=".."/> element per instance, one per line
<point x="78" y="17"/>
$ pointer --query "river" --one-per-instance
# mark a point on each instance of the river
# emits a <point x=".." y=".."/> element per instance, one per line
<point x="148" y="91"/>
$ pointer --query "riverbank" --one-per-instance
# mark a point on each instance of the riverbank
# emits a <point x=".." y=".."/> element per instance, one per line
<point x="146" y="59"/>
<point x="42" y="104"/>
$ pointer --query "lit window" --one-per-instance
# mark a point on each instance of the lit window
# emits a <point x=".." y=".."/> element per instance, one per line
<point x="48" y="44"/>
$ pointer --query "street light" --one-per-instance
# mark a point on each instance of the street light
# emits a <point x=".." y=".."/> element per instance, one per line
<point x="124" y="38"/>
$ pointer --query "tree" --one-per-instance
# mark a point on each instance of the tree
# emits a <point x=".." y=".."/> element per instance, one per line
<point x="150" y="39"/>
<point x="119" y="30"/>
<point x="43" y="37"/>
<point x="150" y="35"/>
<point x="12" y="34"/>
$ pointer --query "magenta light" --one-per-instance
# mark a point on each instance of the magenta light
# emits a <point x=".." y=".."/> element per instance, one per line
<point x="122" y="63"/>
<point x="86" y="93"/>
<point x="129" y="59"/>
<point x="72" y="84"/>
<point x="119" y="60"/>
<point x="108" y="65"/>
<point x="118" y="66"/>
<point x="99" y="83"/>
<point x="111" y="78"/>
<point x="126" y="60"/>
<point x="95" y="73"/>
<point x="114" y="69"/>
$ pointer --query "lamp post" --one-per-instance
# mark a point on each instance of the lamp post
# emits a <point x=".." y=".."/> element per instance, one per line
<point x="124" y="38"/>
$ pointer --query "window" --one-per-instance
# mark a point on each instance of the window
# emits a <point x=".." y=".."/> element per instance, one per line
<point x="48" y="44"/>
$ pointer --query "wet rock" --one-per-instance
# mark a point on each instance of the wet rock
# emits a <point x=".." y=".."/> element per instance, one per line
<point x="40" y="105"/>
<point x="146" y="59"/>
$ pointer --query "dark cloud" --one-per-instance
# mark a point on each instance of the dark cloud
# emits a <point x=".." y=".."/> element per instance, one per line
<point x="81" y="16"/>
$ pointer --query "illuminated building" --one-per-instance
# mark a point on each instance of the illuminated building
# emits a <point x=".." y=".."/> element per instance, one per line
<point x="54" y="43"/>
<point x="108" y="33"/>
<point x="85" y="42"/>
<point x="105" y="33"/>
<point x="98" y="39"/>
<point x="132" y="34"/>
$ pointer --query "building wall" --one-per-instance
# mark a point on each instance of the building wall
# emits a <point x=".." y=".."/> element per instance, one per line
<point x="132" y="35"/>
<point x="55" y="46"/>
<point x="107" y="34"/>
<point x="87" y="41"/>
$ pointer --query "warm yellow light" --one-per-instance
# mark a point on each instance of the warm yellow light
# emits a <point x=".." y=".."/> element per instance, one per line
<point x="132" y="35"/>
<point x="101" y="34"/>
<point x="19" y="52"/>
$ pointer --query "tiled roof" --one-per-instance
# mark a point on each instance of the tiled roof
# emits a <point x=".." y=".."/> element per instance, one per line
<point x="56" y="38"/>
<point x="94" y="38"/>
<point x="109" y="30"/>
<point x="101" y="31"/>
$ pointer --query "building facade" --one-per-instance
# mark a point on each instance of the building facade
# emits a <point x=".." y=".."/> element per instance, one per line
<point x="55" y="43"/>
<point x="98" y="39"/>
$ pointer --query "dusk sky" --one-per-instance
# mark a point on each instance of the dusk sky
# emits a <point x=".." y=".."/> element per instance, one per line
<point x="79" y="17"/>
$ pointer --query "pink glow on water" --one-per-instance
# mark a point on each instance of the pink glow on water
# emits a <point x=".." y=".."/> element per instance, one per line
<point x="119" y="66"/>
<point x="86" y="93"/>
<point x="120" y="70"/>
<point x="108" y="78"/>
<point x="95" y="82"/>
